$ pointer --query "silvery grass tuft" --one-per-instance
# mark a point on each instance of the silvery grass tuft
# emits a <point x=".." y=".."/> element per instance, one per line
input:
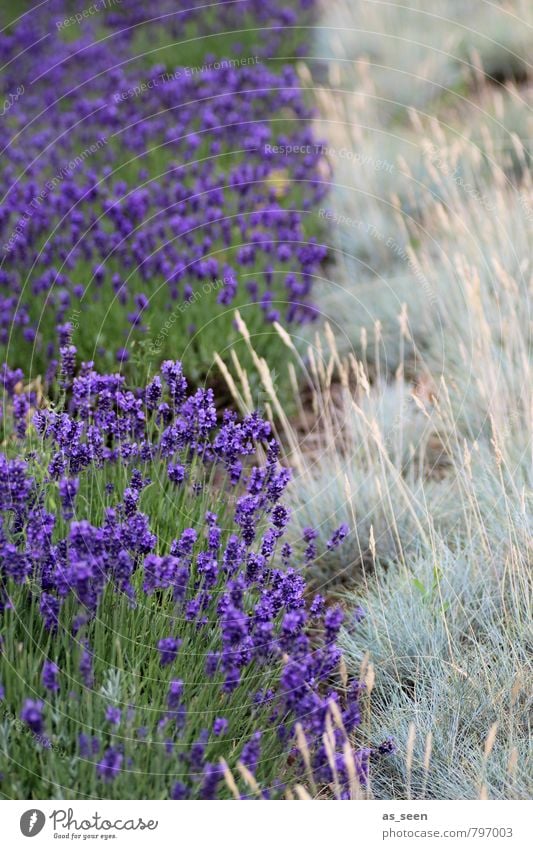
<point x="429" y="133"/>
<point x="437" y="558"/>
<point x="415" y="424"/>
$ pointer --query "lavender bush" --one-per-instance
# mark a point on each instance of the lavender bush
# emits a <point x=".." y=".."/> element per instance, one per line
<point x="157" y="636"/>
<point x="154" y="620"/>
<point x="150" y="186"/>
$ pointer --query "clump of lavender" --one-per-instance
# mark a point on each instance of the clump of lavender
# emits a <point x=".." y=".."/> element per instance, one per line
<point x="143" y="542"/>
<point x="193" y="233"/>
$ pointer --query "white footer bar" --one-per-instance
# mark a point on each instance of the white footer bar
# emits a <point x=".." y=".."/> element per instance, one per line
<point x="255" y="825"/>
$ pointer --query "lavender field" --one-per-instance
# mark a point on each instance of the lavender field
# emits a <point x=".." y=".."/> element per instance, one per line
<point x="265" y="326"/>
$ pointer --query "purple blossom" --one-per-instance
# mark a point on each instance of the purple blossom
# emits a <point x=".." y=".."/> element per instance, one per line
<point x="332" y="622"/>
<point x="179" y="791"/>
<point x="387" y="747"/>
<point x="168" y="649"/>
<point x="32" y="715"/>
<point x="212" y="774"/>
<point x="175" y="692"/>
<point x="109" y="767"/>
<point x="220" y="726"/>
<point x="68" y="489"/>
<point x="49" y="607"/>
<point x="176" y="473"/>
<point x="251" y="752"/>
<point x="86" y="667"/>
<point x="338" y="536"/>
<point x="49" y="676"/>
<point x="113" y="715"/>
<point x="317" y="605"/>
<point x="84" y="745"/>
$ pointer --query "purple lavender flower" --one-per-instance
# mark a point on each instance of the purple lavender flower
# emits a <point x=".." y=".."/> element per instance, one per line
<point x="109" y="767"/>
<point x="49" y="607"/>
<point x="280" y="516"/>
<point x="68" y="489"/>
<point x="130" y="500"/>
<point x="309" y="536"/>
<point x="176" y="383"/>
<point x="251" y="752"/>
<point x="211" y="663"/>
<point x="113" y="715"/>
<point x="332" y="622"/>
<point x="84" y="745"/>
<point x="212" y="774"/>
<point x="179" y="791"/>
<point x="338" y="536"/>
<point x="32" y="715"/>
<point x="86" y="667"/>
<point x="49" y="676"/>
<point x="175" y="692"/>
<point x="176" y="473"/>
<point x="220" y="726"/>
<point x="168" y="649"/>
<point x="387" y="747"/>
<point x="88" y="746"/>
<point x="317" y="605"/>
<point x="153" y="393"/>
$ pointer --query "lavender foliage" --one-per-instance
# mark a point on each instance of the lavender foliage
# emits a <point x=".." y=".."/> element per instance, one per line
<point x="228" y="604"/>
